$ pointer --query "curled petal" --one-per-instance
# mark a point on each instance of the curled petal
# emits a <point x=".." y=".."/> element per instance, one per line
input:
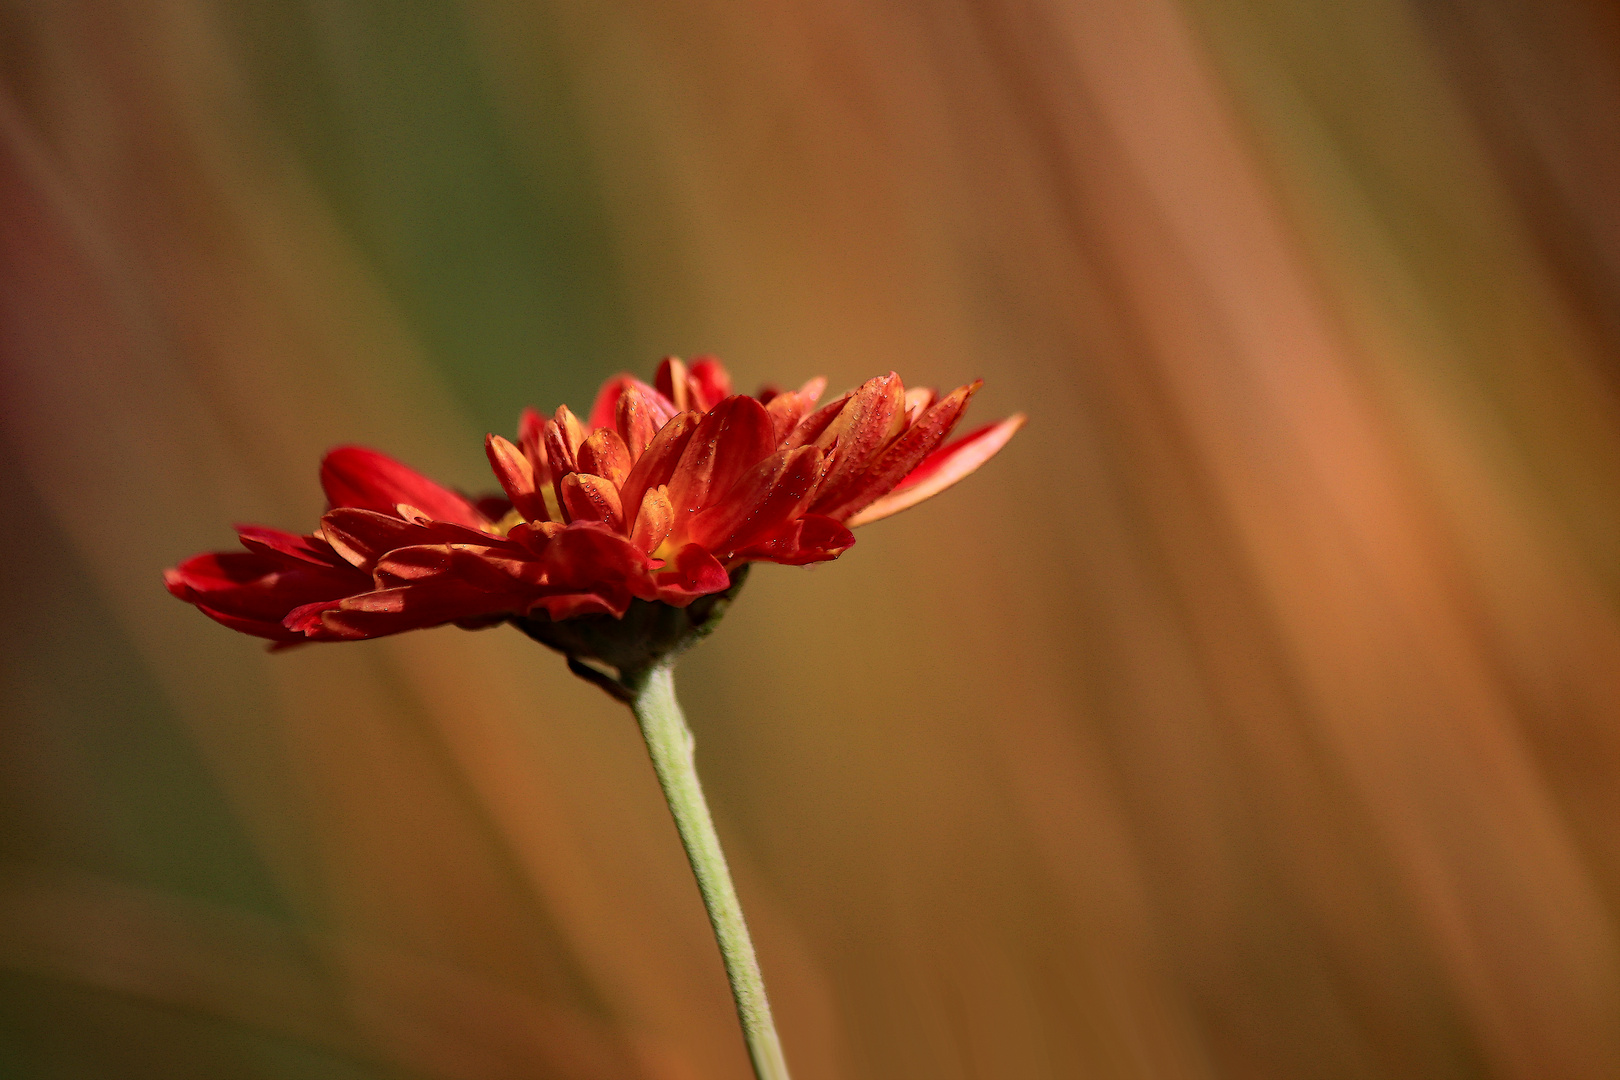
<point x="532" y="438"/>
<point x="535" y="536"/>
<point x="638" y="416"/>
<point x="515" y="472"/>
<point x="809" y="539"/>
<point x="587" y="497"/>
<point x="653" y="521"/>
<point x="941" y="469"/>
<point x="604" y="413"/>
<point x="415" y="606"/>
<point x="252" y="591"/>
<point x="358" y="477"/>
<point x="587" y="557"/>
<point x="695" y="573"/>
<point x="604" y="454"/>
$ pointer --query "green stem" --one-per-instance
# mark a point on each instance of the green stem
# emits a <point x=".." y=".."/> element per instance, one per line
<point x="669" y="741"/>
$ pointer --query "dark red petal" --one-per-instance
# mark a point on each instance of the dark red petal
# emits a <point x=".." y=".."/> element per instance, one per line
<point x="358" y="477"/>
<point x="264" y="628"/>
<point x="516" y="475"/>
<point x="413" y="607"/>
<point x="901" y="457"/>
<point x="731" y="438"/>
<point x="696" y="573"/>
<point x="487" y="568"/>
<point x="560" y="606"/>
<point x="808" y="539"/>
<point x="364" y="536"/>
<point x="941" y="469"/>
<point x="310" y="549"/>
<point x="658" y="463"/>
<point x="710" y="382"/>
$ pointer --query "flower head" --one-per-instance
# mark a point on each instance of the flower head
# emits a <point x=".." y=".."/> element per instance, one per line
<point x="663" y="494"/>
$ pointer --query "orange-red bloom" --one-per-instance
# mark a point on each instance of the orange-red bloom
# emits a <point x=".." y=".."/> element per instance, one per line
<point x="660" y="495"/>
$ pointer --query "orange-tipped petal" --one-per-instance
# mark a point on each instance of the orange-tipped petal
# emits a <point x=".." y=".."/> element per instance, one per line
<point x="941" y="469"/>
<point x="587" y="497"/>
<point x="516" y="475"/>
<point x="654" y="520"/>
<point x="657" y="464"/>
<point x="604" y="454"/>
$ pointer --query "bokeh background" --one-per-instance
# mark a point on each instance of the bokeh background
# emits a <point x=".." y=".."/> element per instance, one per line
<point x="1255" y="715"/>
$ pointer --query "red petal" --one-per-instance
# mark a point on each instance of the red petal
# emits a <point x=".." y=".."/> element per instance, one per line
<point x="364" y="536"/>
<point x="641" y="412"/>
<point x="941" y="469"/>
<point x="414" y="607"/>
<point x="604" y="413"/>
<point x="903" y="455"/>
<point x="657" y="464"/>
<point x="731" y="439"/>
<point x="604" y="454"/>
<point x="588" y="558"/>
<point x="811" y="427"/>
<point x="710" y="382"/>
<point x="587" y="497"/>
<point x="653" y="520"/>
<point x="776" y="490"/>
<point x="570" y="605"/>
<point x="532" y="438"/>
<point x="358" y="477"/>
<point x="310" y="549"/>
<point x="808" y="539"/>
<point x="516" y="475"/>
<point x="696" y="573"/>
<point x="607" y="401"/>
<point x="866" y="424"/>
<point x="671" y="381"/>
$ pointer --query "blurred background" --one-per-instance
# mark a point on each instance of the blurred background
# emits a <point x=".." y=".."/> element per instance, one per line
<point x="1256" y="714"/>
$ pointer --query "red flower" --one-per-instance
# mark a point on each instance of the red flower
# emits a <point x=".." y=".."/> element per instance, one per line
<point x="659" y="496"/>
